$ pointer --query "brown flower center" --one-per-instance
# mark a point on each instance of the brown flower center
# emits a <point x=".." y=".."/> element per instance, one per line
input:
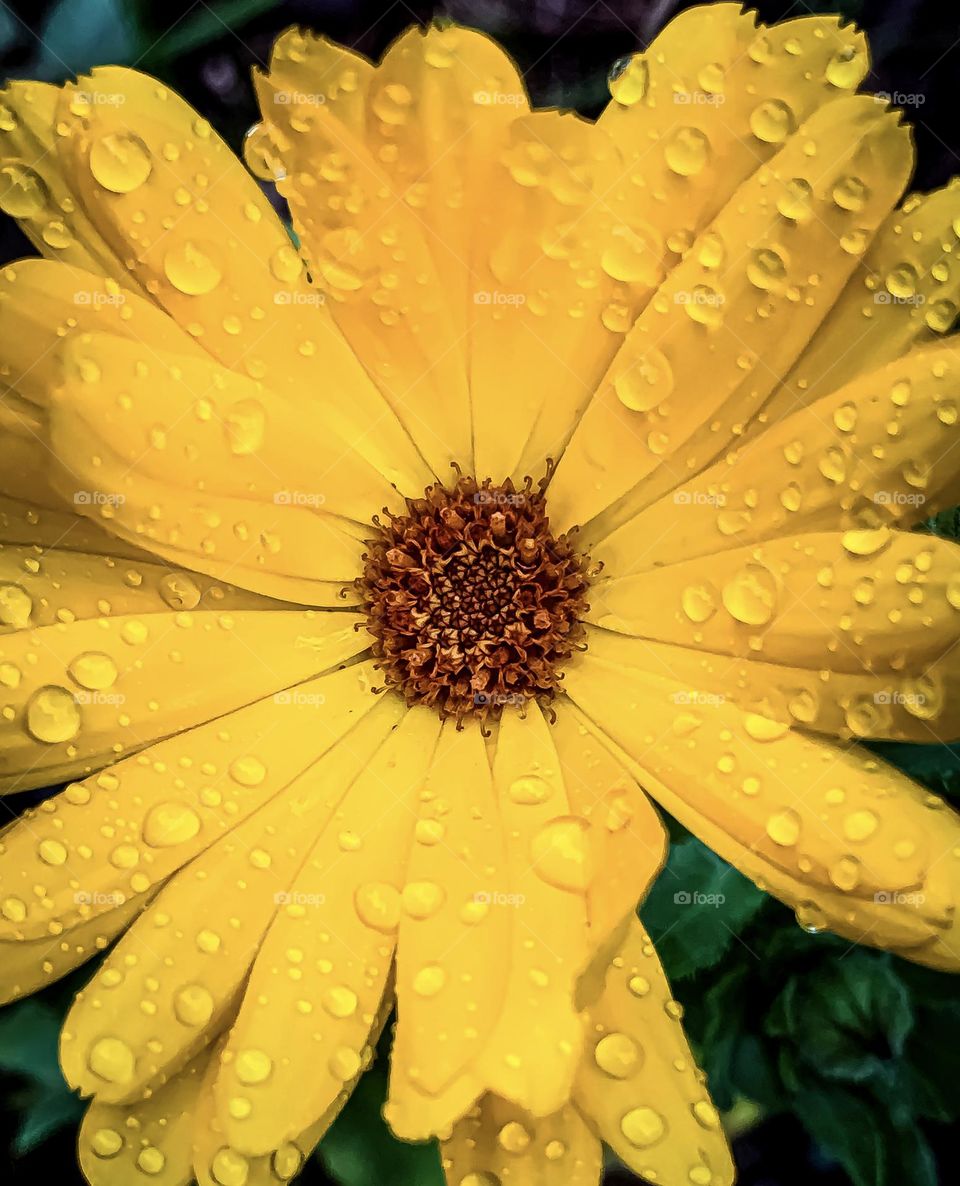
<point x="472" y="603"/>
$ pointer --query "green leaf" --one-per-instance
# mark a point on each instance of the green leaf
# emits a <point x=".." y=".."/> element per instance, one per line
<point x="29" y="1035"/>
<point x="359" y="1150"/>
<point x="850" y="1021"/>
<point x="204" y="23"/>
<point x="861" y="1138"/>
<point x="696" y="908"/>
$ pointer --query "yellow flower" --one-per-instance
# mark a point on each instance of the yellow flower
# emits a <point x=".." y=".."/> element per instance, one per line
<point x="352" y="716"/>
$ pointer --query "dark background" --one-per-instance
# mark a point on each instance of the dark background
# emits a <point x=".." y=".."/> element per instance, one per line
<point x="849" y="1058"/>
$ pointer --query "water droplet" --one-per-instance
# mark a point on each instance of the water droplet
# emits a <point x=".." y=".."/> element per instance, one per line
<point x="513" y="1137"/>
<point x="23" y="193"/>
<point x="686" y="151"/>
<point x="617" y="1055"/>
<point x="16" y="606"/>
<point x="646" y="382"/>
<point x="229" y="1168"/>
<point x="378" y="905"/>
<point x="340" y="1001"/>
<point x="859" y="825"/>
<point x="252" y="1066"/>
<point x="106" y="1142"/>
<point x="179" y="591"/>
<point x="429" y="980"/>
<point x="643" y="1127"/>
<point x="170" y="823"/>
<point x="190" y="269"/>
<point x="248" y="771"/>
<point x="706" y="1114"/>
<point x="244" y="424"/>
<point x="53" y="715"/>
<point x="772" y="121"/>
<point x="847" y="68"/>
<point x="112" y="1060"/>
<point x="766" y="269"/>
<point x="783" y="827"/>
<point x="751" y="595"/>
<point x="629" y="80"/>
<point x="796" y="201"/>
<point x="120" y="162"/>
<point x="530" y="789"/>
<point x="698" y="603"/>
<point x="561" y="854"/>
<point x="94" y="670"/>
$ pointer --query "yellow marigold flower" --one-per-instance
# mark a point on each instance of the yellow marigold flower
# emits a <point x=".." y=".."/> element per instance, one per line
<point x="291" y="591"/>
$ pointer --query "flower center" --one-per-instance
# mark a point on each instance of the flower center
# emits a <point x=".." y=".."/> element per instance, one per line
<point x="472" y="603"/>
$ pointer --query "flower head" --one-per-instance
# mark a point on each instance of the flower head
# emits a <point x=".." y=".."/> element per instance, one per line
<point x="362" y="592"/>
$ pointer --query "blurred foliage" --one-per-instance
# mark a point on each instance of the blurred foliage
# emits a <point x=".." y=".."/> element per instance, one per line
<point x="860" y="1046"/>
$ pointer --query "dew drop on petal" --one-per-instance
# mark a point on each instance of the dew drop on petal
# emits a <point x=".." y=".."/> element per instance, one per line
<point x="120" y="162"/>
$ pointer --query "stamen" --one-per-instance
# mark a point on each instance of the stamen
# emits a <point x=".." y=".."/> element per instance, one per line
<point x="472" y="603"/>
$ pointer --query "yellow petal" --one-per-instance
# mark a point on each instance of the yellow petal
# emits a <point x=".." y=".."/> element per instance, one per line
<point x="177" y="976"/>
<point x="149" y="171"/>
<point x="217" y="1163"/>
<point x="24" y="525"/>
<point x="42" y="303"/>
<point x="148" y="1141"/>
<point x="739" y="307"/>
<point x="639" y="1085"/>
<point x="29" y="965"/>
<point x="498" y="1141"/>
<point x="627" y="837"/>
<point x="878" y="452"/>
<point x="38" y="192"/>
<point x="214" y="430"/>
<point x="903" y="294"/>
<point x="63" y="586"/>
<point x="850" y="843"/>
<point x="380" y="283"/>
<point x="531" y="1056"/>
<point x="455" y="922"/>
<point x="121" y="832"/>
<point x="801" y="610"/>
<point x="324" y="963"/>
<point x="539" y="296"/>
<point x="78" y="693"/>
<point x="712" y="98"/>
